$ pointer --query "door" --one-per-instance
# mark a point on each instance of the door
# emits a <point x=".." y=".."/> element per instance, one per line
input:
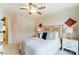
<point x="5" y="32"/>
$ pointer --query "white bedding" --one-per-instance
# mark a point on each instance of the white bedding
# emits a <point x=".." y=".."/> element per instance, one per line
<point x="37" y="46"/>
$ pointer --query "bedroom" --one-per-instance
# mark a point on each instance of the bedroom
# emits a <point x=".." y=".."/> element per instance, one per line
<point x="22" y="25"/>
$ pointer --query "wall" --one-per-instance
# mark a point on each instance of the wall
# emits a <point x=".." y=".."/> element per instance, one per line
<point x="1" y="17"/>
<point x="21" y="26"/>
<point x="1" y="24"/>
<point x="61" y="17"/>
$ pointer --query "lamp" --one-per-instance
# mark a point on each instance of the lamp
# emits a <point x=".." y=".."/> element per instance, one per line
<point x="39" y="29"/>
<point x="69" y="31"/>
<point x="70" y="22"/>
<point x="40" y="25"/>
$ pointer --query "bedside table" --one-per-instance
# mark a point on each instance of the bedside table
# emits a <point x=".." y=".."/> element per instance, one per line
<point x="70" y="44"/>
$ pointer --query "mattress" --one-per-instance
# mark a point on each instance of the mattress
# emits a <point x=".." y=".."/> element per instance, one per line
<point x="37" y="46"/>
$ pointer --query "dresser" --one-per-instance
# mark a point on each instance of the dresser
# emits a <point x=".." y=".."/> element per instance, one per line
<point x="70" y="44"/>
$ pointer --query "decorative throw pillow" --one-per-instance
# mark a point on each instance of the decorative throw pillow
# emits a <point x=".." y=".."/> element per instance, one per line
<point x="48" y="35"/>
<point x="44" y="35"/>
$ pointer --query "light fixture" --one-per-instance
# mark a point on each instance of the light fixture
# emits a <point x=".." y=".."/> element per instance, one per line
<point x="33" y="11"/>
<point x="33" y="8"/>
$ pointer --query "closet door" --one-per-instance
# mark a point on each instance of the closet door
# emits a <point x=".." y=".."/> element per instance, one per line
<point x="5" y="32"/>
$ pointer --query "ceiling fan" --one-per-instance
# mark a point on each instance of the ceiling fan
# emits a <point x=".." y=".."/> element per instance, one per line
<point x="33" y="8"/>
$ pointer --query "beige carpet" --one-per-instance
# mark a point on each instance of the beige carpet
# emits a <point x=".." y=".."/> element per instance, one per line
<point x="9" y="50"/>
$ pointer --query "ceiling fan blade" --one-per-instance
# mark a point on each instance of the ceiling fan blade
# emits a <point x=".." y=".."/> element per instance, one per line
<point x="30" y="6"/>
<point x="39" y="12"/>
<point x="42" y="7"/>
<point x="30" y="3"/>
<point x="35" y="6"/>
<point x="24" y="8"/>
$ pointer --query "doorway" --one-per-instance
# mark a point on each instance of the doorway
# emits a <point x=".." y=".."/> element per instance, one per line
<point x="5" y="32"/>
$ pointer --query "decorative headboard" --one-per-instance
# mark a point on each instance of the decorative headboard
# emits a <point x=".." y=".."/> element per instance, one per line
<point x="54" y="28"/>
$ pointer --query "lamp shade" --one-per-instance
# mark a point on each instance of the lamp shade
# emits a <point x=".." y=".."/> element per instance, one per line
<point x="69" y="30"/>
<point x="40" y="25"/>
<point x="70" y="22"/>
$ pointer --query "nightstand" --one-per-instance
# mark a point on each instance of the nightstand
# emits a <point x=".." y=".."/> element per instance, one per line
<point x="70" y="44"/>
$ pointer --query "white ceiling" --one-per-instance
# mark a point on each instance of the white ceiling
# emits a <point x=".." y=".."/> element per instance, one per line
<point x="51" y="8"/>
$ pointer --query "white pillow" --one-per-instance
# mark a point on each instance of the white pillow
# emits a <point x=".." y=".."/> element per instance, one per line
<point x="49" y="35"/>
<point x="55" y="35"/>
<point x="52" y="35"/>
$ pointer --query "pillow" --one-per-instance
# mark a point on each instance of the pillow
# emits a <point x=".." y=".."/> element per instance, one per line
<point x="52" y="35"/>
<point x="44" y="35"/>
<point x="56" y="35"/>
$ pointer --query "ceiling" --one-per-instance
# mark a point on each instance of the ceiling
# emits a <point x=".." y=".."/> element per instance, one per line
<point x="51" y="8"/>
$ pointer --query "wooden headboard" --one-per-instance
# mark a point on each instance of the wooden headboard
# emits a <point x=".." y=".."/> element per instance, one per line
<point x="54" y="28"/>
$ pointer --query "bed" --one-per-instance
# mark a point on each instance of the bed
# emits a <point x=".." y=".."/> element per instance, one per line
<point x="39" y="46"/>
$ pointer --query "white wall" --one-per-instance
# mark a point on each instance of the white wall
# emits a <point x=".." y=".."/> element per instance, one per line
<point x="61" y="17"/>
<point x="1" y="24"/>
<point x="18" y="26"/>
<point x="22" y="25"/>
<point x="1" y="17"/>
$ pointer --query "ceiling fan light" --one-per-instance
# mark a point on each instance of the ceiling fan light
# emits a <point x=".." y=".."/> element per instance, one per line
<point x="33" y="8"/>
<point x="33" y="11"/>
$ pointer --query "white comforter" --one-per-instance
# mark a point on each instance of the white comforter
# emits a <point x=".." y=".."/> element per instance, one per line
<point x="37" y="46"/>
